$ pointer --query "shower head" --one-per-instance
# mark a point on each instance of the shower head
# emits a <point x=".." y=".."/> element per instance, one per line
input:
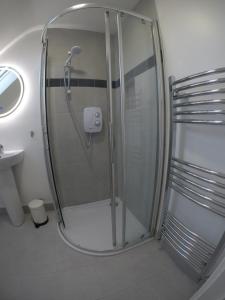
<point x="75" y="50"/>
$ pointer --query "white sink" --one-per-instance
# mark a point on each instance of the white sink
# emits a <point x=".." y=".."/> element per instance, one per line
<point x="8" y="189"/>
<point x="9" y="159"/>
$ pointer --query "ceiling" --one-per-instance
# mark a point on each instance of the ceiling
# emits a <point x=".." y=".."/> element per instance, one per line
<point x="45" y="9"/>
<point x="89" y="19"/>
<point x="17" y="17"/>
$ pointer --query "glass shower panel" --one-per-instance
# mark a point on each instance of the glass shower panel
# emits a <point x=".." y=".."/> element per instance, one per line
<point x="81" y="160"/>
<point x="141" y="127"/>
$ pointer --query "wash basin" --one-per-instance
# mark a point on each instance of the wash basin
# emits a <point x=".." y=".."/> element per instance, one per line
<point x="8" y="189"/>
<point x="9" y="159"/>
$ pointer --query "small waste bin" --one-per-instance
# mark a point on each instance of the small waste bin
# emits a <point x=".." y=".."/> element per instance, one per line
<point x="38" y="212"/>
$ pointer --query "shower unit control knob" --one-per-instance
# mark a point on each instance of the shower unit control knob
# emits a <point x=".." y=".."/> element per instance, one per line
<point x="92" y="119"/>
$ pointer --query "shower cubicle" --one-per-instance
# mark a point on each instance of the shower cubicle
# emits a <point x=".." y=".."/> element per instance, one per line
<point x="121" y="169"/>
<point x="103" y="120"/>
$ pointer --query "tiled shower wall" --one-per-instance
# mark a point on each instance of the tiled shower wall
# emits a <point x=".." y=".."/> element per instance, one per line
<point x="83" y="174"/>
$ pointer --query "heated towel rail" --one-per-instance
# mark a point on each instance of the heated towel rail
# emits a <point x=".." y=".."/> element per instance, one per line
<point x="199" y="100"/>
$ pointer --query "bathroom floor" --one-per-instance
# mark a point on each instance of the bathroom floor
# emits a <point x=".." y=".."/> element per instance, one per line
<point x="89" y="225"/>
<point x="35" y="264"/>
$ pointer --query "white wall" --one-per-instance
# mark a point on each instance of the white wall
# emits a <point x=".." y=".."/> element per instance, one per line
<point x="147" y="8"/>
<point x="18" y="16"/>
<point x="192" y="34"/>
<point x="193" y="41"/>
<point x="15" y="129"/>
<point x="214" y="288"/>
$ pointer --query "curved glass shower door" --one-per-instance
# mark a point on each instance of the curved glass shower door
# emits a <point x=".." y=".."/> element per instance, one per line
<point x="140" y="125"/>
<point x="103" y="169"/>
<point x="81" y="160"/>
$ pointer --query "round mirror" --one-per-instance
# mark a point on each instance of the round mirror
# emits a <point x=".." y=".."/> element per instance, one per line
<point x="11" y="90"/>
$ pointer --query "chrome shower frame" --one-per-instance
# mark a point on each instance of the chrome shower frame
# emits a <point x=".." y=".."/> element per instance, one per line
<point x="163" y="115"/>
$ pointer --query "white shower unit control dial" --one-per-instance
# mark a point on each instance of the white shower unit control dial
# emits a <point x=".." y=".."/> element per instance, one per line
<point x="92" y="119"/>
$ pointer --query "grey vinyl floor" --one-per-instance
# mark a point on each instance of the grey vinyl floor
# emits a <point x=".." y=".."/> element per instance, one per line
<point x="35" y="264"/>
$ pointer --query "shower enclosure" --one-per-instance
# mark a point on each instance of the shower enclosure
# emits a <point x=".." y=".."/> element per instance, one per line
<point x="103" y="121"/>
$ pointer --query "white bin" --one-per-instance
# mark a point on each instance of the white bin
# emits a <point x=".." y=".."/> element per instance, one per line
<point x="38" y="212"/>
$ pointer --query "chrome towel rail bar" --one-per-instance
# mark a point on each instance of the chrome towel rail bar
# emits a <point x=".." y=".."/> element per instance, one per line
<point x="198" y="93"/>
<point x="205" y="179"/>
<point x="201" y="112"/>
<point x="192" y="255"/>
<point x="198" y="75"/>
<point x="201" y="93"/>
<point x="203" y="122"/>
<point x="207" y="206"/>
<point x="182" y="253"/>
<point x="221" y="204"/>
<point x="206" y="197"/>
<point x="218" y="194"/>
<point x="191" y="234"/>
<point x="199" y="84"/>
<point x="197" y="167"/>
<point x="199" y="252"/>
<point x="195" y="250"/>
<point x="195" y="183"/>
<point x="200" y="102"/>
